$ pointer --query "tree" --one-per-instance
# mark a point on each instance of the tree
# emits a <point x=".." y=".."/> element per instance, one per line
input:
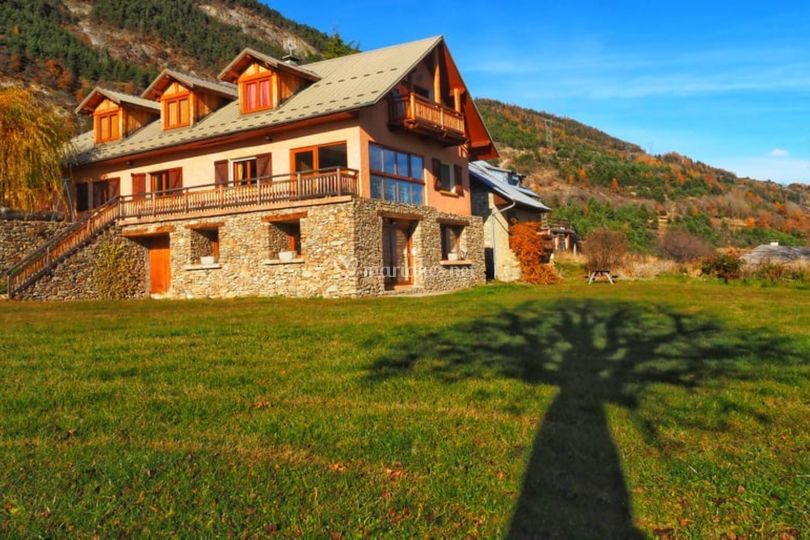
<point x="335" y="47"/>
<point x="35" y="142"/>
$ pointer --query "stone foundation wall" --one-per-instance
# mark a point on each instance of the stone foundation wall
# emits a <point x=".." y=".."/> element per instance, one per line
<point x="20" y="237"/>
<point x="85" y="275"/>
<point x="341" y="254"/>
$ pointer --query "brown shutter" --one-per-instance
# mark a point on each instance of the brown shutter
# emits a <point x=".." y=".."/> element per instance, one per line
<point x="138" y="186"/>
<point x="437" y="174"/>
<point x="221" y="172"/>
<point x="115" y="187"/>
<point x="457" y="176"/>
<point x="263" y="165"/>
<point x="176" y="178"/>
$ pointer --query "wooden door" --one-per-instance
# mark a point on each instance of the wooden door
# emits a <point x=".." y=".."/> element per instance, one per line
<point x="397" y="253"/>
<point x="159" y="264"/>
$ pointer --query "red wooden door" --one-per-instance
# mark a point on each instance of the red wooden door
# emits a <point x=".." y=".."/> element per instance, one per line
<point x="159" y="267"/>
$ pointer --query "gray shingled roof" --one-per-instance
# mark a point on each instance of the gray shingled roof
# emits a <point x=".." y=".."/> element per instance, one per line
<point x="483" y="172"/>
<point x="270" y="61"/>
<point x="218" y="87"/>
<point x="119" y="98"/>
<point x="347" y="83"/>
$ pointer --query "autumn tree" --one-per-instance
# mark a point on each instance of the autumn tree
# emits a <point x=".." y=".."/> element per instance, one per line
<point x="35" y="142"/>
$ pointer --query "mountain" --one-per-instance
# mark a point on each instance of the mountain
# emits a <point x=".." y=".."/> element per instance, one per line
<point x="62" y="48"/>
<point x="594" y="179"/>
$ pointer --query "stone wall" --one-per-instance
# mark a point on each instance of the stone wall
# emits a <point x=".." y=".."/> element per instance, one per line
<point x="341" y="254"/>
<point x="79" y="277"/>
<point x="20" y="237"/>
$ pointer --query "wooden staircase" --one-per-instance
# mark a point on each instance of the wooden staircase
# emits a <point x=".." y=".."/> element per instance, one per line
<point x="65" y="243"/>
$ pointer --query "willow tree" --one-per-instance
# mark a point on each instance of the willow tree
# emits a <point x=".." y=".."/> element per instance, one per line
<point x="34" y="142"/>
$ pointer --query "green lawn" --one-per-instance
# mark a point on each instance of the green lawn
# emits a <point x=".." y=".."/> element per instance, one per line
<point x="650" y="408"/>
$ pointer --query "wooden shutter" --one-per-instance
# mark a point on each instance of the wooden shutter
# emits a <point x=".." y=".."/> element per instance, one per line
<point x="221" y="172"/>
<point x="138" y="186"/>
<point x="115" y="187"/>
<point x="264" y="165"/>
<point x="457" y="176"/>
<point x="176" y="178"/>
<point x="437" y="174"/>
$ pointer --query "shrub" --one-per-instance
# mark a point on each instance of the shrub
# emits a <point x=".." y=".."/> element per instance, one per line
<point x="605" y="249"/>
<point x="725" y="266"/>
<point x="116" y="271"/>
<point x="778" y="272"/>
<point x="681" y="246"/>
<point x="532" y="249"/>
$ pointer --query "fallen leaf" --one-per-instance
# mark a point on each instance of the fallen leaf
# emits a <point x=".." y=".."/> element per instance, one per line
<point x="261" y="405"/>
<point x="338" y="467"/>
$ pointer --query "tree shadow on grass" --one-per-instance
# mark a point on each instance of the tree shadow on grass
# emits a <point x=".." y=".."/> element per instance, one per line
<point x="596" y="353"/>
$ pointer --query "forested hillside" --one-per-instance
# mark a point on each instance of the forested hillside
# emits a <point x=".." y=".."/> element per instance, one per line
<point x="596" y="180"/>
<point x="65" y="47"/>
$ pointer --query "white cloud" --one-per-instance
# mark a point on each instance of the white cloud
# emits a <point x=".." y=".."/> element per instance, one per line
<point x="778" y="153"/>
<point x="779" y="169"/>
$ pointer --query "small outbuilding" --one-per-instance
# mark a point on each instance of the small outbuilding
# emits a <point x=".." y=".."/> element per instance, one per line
<point x="500" y="198"/>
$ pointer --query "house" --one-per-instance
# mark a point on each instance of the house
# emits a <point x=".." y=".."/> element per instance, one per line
<point x="500" y="199"/>
<point x="342" y="177"/>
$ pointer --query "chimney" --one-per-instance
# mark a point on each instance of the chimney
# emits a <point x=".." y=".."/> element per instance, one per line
<point x="291" y="59"/>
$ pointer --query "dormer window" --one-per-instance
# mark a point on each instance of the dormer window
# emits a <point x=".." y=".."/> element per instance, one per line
<point x="265" y="82"/>
<point x="186" y="99"/>
<point x="177" y="111"/>
<point x="116" y="115"/>
<point x="106" y="125"/>
<point x="257" y="92"/>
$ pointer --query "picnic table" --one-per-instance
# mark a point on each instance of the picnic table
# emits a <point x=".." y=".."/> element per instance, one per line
<point x="596" y="274"/>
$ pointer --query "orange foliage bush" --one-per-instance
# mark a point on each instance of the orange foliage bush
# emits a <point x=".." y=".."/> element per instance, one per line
<point x="532" y="248"/>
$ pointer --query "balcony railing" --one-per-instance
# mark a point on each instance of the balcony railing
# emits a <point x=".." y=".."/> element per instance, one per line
<point x="421" y="114"/>
<point x="177" y="202"/>
<point x="257" y="192"/>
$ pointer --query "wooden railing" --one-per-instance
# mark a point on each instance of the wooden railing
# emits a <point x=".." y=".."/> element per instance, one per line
<point x="415" y="109"/>
<point x="260" y="191"/>
<point x="60" y="246"/>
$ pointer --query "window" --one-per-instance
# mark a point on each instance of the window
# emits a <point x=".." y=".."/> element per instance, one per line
<point x="451" y="236"/>
<point x="91" y="195"/>
<point x="396" y="176"/>
<point x="244" y="172"/>
<point x="285" y="236"/>
<point x="448" y="178"/>
<point x="107" y="127"/>
<point x="204" y="244"/>
<point x="164" y="181"/>
<point x="327" y="156"/>
<point x="257" y="94"/>
<point x="82" y="197"/>
<point x="176" y="111"/>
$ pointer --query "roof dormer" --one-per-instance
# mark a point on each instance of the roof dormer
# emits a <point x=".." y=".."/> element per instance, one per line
<point x="116" y="115"/>
<point x="185" y="99"/>
<point x="265" y="82"/>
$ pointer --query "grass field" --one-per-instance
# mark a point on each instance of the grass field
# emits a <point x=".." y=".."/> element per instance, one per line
<point x="645" y="409"/>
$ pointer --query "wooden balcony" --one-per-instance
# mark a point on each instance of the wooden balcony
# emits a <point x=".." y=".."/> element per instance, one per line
<point x="271" y="190"/>
<point x="421" y="115"/>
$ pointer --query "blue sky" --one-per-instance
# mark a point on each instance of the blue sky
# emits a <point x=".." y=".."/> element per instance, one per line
<point x="727" y="83"/>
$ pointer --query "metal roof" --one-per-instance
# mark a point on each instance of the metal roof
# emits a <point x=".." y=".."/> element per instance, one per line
<point x="483" y="172"/>
<point x="347" y="83"/>
<point x="118" y="98"/>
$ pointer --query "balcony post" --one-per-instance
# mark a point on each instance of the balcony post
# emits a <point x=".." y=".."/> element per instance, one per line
<point x="340" y="181"/>
<point x="411" y="113"/>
